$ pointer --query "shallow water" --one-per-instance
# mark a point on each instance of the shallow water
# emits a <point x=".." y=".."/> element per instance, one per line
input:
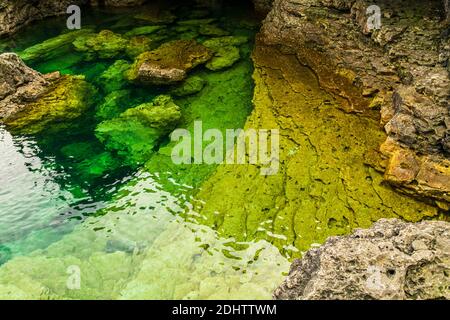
<point x="134" y="230"/>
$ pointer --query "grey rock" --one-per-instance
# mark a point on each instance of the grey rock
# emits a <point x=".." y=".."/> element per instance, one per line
<point x="19" y="84"/>
<point x="391" y="260"/>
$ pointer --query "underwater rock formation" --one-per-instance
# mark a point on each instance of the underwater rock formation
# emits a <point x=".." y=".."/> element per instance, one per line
<point x="391" y="260"/>
<point x="226" y="51"/>
<point x="104" y="45"/>
<point x="402" y="68"/>
<point x="169" y="63"/>
<point x="136" y="132"/>
<point x="30" y="101"/>
<point x="326" y="184"/>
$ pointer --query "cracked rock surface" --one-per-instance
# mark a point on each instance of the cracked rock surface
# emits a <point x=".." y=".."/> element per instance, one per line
<point x="391" y="260"/>
<point x="325" y="185"/>
<point x="401" y="69"/>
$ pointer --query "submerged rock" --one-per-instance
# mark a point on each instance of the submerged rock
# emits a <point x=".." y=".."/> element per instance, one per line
<point x="191" y="85"/>
<point x="30" y="102"/>
<point x="391" y="260"/>
<point x="137" y="131"/>
<point x="104" y="45"/>
<point x="113" y="78"/>
<point x="140" y="31"/>
<point x="53" y="46"/>
<point x="113" y="104"/>
<point x="325" y="184"/>
<point x="138" y="45"/>
<point x="169" y="63"/>
<point x="226" y="51"/>
<point x="212" y="30"/>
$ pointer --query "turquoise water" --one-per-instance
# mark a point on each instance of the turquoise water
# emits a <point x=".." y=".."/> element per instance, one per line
<point x="63" y="204"/>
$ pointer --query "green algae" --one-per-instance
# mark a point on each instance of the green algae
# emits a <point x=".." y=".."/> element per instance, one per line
<point x="113" y="78"/>
<point x="182" y="55"/>
<point x="138" y="45"/>
<point x="54" y="46"/>
<point x="69" y="97"/>
<point x="325" y="185"/>
<point x="140" y="31"/>
<point x="226" y="52"/>
<point x="190" y="86"/>
<point x="113" y="104"/>
<point x="104" y="45"/>
<point x="137" y="131"/>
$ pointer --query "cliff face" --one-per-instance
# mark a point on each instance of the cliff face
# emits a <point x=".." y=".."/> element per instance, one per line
<point x="401" y="69"/>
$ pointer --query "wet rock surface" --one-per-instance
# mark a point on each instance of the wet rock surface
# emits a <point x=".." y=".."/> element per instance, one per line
<point x="30" y="101"/>
<point x="391" y="260"/>
<point x="169" y="63"/>
<point x="401" y="68"/>
<point x="325" y="184"/>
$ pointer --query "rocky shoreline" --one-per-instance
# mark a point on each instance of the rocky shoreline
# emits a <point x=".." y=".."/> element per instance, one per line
<point x="390" y="260"/>
<point x="400" y="71"/>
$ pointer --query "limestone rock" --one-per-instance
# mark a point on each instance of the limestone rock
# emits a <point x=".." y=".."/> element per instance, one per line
<point x="169" y="63"/>
<point x="391" y="260"/>
<point x="30" y="101"/>
<point x="402" y="68"/>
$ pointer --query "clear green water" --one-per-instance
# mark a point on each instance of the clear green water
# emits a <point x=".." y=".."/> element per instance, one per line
<point x="60" y="206"/>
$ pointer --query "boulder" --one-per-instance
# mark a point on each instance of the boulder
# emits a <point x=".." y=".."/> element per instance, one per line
<point x="391" y="260"/>
<point x="226" y="51"/>
<point x="104" y="45"/>
<point x="30" y="101"/>
<point x="169" y="63"/>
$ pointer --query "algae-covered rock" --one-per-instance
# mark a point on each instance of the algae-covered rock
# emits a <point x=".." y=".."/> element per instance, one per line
<point x="113" y="78"/>
<point x="324" y="185"/>
<point x="169" y="63"/>
<point x="30" y="102"/>
<point x="104" y="45"/>
<point x="137" y="131"/>
<point x="221" y="42"/>
<point x="191" y="85"/>
<point x="226" y="51"/>
<point x="196" y="22"/>
<point x="140" y="31"/>
<point x="113" y="104"/>
<point x="138" y="45"/>
<point x="224" y="58"/>
<point x="392" y="260"/>
<point x="53" y="46"/>
<point x="212" y="30"/>
<point x="67" y="99"/>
